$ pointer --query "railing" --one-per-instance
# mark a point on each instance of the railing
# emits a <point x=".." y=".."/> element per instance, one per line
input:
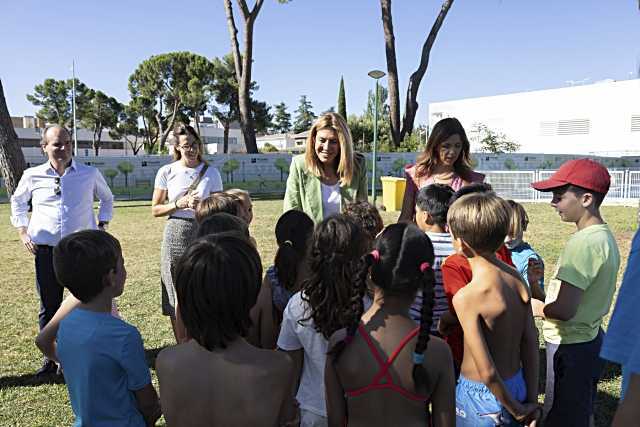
<point x="625" y="184"/>
<point x="266" y="174"/>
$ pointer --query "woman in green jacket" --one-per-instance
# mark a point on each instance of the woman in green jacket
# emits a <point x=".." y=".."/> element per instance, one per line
<point x="329" y="175"/>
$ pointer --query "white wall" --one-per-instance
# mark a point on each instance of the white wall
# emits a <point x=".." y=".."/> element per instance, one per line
<point x="532" y="118"/>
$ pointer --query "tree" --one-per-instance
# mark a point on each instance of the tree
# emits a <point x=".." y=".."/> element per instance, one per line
<point x="398" y="166"/>
<point x="159" y="89"/>
<point x="261" y="116"/>
<point x="127" y="129"/>
<point x="12" y="162"/>
<point x="111" y="174"/>
<point x="125" y="168"/>
<point x="200" y="72"/>
<point x="224" y="90"/>
<point x="283" y="166"/>
<point x="492" y="141"/>
<point x="55" y="99"/>
<point x="101" y="112"/>
<point x="243" y="64"/>
<point x="342" y="100"/>
<point x="228" y="167"/>
<point x="269" y="148"/>
<point x="304" y="115"/>
<point x="281" y="119"/>
<point x="411" y="107"/>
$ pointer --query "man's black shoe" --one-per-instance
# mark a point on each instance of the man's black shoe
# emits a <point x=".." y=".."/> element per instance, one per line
<point x="48" y="367"/>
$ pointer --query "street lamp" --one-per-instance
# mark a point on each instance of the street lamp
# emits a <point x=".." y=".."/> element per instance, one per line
<point x="376" y="75"/>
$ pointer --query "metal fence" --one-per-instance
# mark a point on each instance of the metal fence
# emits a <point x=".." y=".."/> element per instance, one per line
<point x="625" y="185"/>
<point x="266" y="174"/>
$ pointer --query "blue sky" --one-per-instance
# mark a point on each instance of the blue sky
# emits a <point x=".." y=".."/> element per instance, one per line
<point x="485" y="47"/>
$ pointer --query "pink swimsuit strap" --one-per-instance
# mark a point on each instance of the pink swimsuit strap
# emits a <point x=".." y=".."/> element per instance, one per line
<point x="383" y="373"/>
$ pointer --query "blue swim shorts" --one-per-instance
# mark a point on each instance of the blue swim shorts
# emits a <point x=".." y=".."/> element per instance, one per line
<point x="476" y="406"/>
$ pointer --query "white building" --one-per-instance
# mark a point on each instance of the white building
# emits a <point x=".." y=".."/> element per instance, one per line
<point x="282" y="141"/>
<point x="213" y="139"/>
<point x="596" y="119"/>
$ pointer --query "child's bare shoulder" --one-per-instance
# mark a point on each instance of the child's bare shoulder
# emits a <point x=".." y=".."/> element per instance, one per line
<point x="473" y="293"/>
<point x="167" y="358"/>
<point x="276" y="360"/>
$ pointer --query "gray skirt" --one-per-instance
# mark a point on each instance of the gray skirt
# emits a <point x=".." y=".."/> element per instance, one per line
<point x="178" y="234"/>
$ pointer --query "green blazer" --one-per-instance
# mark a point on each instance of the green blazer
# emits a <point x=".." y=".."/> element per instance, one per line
<point x="304" y="192"/>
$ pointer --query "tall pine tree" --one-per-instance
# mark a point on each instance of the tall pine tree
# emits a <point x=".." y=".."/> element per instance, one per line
<point x="281" y="119"/>
<point x="342" y="100"/>
<point x="304" y="115"/>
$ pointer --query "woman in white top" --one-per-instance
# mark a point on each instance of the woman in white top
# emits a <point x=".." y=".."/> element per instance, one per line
<point x="178" y="188"/>
<point x="329" y="175"/>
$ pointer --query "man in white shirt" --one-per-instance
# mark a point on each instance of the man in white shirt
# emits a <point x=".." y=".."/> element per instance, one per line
<point x="61" y="192"/>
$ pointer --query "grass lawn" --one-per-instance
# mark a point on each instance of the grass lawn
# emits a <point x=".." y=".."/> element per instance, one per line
<point x="25" y="401"/>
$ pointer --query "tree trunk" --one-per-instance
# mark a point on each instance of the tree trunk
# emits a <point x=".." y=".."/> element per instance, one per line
<point x="12" y="162"/>
<point x="225" y="139"/>
<point x="243" y="66"/>
<point x="392" y="71"/>
<point x="197" y="121"/>
<point x="411" y="107"/>
<point x="97" y="134"/>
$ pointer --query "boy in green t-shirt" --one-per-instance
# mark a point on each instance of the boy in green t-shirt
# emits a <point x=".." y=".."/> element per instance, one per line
<point x="579" y="295"/>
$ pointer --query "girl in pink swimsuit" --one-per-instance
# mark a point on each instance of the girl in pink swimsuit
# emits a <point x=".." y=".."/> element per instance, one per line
<point x="445" y="160"/>
<point x="384" y="369"/>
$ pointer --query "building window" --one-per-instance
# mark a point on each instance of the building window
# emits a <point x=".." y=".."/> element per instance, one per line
<point x="635" y="123"/>
<point x="565" y="127"/>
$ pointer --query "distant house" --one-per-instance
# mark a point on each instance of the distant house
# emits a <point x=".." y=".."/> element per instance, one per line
<point x="282" y="141"/>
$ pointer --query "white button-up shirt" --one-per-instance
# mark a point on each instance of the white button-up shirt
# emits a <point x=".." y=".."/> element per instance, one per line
<point x="60" y="204"/>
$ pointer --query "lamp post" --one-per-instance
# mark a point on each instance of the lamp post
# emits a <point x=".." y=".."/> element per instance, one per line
<point x="73" y="107"/>
<point x="376" y="75"/>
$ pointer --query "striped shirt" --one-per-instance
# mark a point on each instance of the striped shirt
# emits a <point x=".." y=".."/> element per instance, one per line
<point x="442" y="247"/>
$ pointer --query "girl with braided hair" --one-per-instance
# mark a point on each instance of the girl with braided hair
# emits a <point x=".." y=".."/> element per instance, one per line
<point x="323" y="306"/>
<point x="383" y="369"/>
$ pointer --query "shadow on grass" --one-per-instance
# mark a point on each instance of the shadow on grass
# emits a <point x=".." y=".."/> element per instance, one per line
<point x="150" y="355"/>
<point x="29" y="380"/>
<point x="611" y="371"/>
<point x="604" y="409"/>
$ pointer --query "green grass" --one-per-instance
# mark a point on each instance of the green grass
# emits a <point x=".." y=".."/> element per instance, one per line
<point x="24" y="401"/>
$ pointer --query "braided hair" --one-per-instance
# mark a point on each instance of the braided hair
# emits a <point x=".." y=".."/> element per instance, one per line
<point x="400" y="264"/>
<point x="338" y="244"/>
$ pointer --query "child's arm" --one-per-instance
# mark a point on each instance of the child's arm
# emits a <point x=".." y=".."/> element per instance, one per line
<point x="46" y="339"/>
<point x="334" y="392"/>
<point x="443" y="405"/>
<point x="564" y="307"/>
<point x="447" y="321"/>
<point x="535" y="273"/>
<point x="530" y="356"/>
<point x="148" y="404"/>
<point x="263" y="333"/>
<point x="628" y="411"/>
<point x="291" y="412"/>
<point x="476" y="344"/>
<point x="334" y="395"/>
<point x="181" y="330"/>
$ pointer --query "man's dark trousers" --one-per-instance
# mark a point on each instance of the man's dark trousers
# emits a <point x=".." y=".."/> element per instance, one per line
<point x="49" y="289"/>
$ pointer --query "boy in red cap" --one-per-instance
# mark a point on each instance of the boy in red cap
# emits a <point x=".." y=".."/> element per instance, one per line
<point x="579" y="294"/>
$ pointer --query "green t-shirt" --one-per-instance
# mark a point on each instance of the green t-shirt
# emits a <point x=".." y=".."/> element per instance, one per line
<point x="589" y="261"/>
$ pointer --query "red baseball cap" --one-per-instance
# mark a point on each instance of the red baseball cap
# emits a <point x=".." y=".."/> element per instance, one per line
<point x="585" y="173"/>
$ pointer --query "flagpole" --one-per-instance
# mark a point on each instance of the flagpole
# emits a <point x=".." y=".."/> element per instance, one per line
<point x="73" y="108"/>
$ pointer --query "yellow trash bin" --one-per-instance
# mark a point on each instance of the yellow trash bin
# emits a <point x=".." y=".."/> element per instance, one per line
<point x="393" y="192"/>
